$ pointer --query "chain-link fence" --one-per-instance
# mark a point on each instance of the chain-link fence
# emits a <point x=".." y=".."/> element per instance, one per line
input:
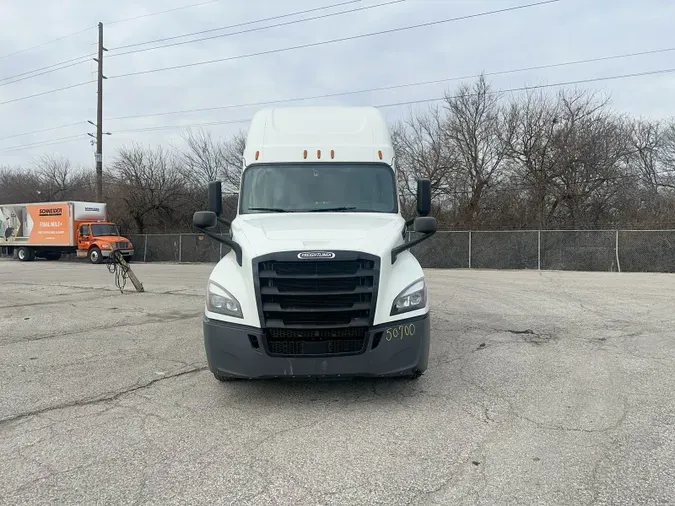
<point x="576" y="250"/>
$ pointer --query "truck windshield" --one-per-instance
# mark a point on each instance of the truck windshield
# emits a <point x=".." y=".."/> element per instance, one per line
<point x="317" y="187"/>
<point x="104" y="229"/>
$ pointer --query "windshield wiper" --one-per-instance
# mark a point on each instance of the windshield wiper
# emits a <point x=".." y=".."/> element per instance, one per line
<point x="272" y="209"/>
<point x="330" y="209"/>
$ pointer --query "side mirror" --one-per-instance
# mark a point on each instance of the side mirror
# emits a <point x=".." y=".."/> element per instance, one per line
<point x="216" y="198"/>
<point x="423" y="197"/>
<point x="426" y="225"/>
<point x="204" y="219"/>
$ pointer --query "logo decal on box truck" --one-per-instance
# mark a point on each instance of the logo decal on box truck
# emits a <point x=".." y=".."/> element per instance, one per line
<point x="320" y="255"/>
<point x="47" y="224"/>
<point x="50" y="211"/>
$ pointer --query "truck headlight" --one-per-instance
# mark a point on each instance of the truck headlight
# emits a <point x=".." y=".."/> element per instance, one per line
<point x="219" y="300"/>
<point x="412" y="298"/>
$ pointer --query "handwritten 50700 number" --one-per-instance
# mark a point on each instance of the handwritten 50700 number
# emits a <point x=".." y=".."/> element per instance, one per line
<point x="400" y="332"/>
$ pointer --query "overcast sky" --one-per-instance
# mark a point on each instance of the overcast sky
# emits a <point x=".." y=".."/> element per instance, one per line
<point x="541" y="35"/>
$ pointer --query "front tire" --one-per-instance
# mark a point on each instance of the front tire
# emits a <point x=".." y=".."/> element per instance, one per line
<point x="95" y="256"/>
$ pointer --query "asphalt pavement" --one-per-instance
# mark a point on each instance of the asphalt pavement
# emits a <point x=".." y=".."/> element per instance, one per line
<point x="543" y="389"/>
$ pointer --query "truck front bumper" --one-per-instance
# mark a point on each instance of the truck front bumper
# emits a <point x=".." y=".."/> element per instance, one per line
<point x="105" y="253"/>
<point x="397" y="349"/>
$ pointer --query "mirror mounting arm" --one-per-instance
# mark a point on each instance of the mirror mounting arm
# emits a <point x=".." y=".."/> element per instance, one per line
<point x="395" y="252"/>
<point x="228" y="242"/>
<point x="406" y="226"/>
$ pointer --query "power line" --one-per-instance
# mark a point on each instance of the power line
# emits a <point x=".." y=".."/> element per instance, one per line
<point x="368" y="90"/>
<point x="246" y="23"/>
<point x="60" y="140"/>
<point x="427" y="100"/>
<point x="399" y="86"/>
<point x="109" y="23"/>
<point x="41" y="131"/>
<point x="535" y="87"/>
<point x="49" y="92"/>
<point x="46" y="43"/>
<point x="46" y="70"/>
<point x="342" y="39"/>
<point x="174" y="9"/>
<point x="171" y="127"/>
<point x="397" y="104"/>
<point x="261" y="28"/>
<point x="85" y="58"/>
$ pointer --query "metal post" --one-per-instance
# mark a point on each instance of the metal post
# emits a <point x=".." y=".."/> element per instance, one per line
<point x="99" y="118"/>
<point x="145" y="249"/>
<point x="469" y="249"/>
<point x="539" y="250"/>
<point x="180" y="248"/>
<point x="616" y="251"/>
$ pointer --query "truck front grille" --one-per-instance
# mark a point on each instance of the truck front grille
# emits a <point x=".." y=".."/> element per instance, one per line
<point x="316" y="342"/>
<point x="316" y="307"/>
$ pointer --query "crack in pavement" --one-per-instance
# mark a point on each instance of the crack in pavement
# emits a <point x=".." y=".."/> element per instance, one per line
<point x="541" y="425"/>
<point x="103" y="288"/>
<point x="66" y="298"/>
<point x="594" y="476"/>
<point x="107" y="397"/>
<point x="563" y="428"/>
<point x="155" y="318"/>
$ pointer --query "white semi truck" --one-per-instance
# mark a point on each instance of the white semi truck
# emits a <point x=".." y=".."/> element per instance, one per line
<point x="319" y="280"/>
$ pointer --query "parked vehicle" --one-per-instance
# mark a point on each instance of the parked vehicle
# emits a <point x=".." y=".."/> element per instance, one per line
<point x="319" y="280"/>
<point x="50" y="229"/>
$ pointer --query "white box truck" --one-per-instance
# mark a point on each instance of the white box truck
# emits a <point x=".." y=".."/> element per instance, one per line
<point x="319" y="280"/>
<point x="51" y="229"/>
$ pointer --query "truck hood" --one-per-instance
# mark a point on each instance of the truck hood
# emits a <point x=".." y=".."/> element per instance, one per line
<point x="372" y="233"/>
<point x="111" y="238"/>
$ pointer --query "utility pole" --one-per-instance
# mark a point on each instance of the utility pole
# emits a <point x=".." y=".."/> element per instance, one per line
<point x="99" y="117"/>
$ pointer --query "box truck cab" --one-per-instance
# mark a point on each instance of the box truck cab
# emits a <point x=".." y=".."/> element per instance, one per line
<point x="51" y="229"/>
<point x="97" y="239"/>
<point x="319" y="280"/>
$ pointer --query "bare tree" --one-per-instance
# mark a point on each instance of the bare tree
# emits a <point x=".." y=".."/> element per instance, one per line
<point x="667" y="155"/>
<point x="532" y="148"/>
<point x="204" y="158"/>
<point x="150" y="184"/>
<point x="478" y="136"/>
<point x="645" y="140"/>
<point x="422" y="152"/>
<point x="19" y="185"/>
<point x="591" y="143"/>
<point x="49" y="179"/>
<point x="58" y="180"/>
<point x="233" y="149"/>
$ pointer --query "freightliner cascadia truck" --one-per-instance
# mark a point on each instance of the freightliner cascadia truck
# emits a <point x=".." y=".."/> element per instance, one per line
<point x="319" y="280"/>
<point x="51" y="229"/>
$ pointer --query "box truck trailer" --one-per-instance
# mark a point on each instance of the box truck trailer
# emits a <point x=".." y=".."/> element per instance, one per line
<point x="51" y="229"/>
<point x="319" y="280"/>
